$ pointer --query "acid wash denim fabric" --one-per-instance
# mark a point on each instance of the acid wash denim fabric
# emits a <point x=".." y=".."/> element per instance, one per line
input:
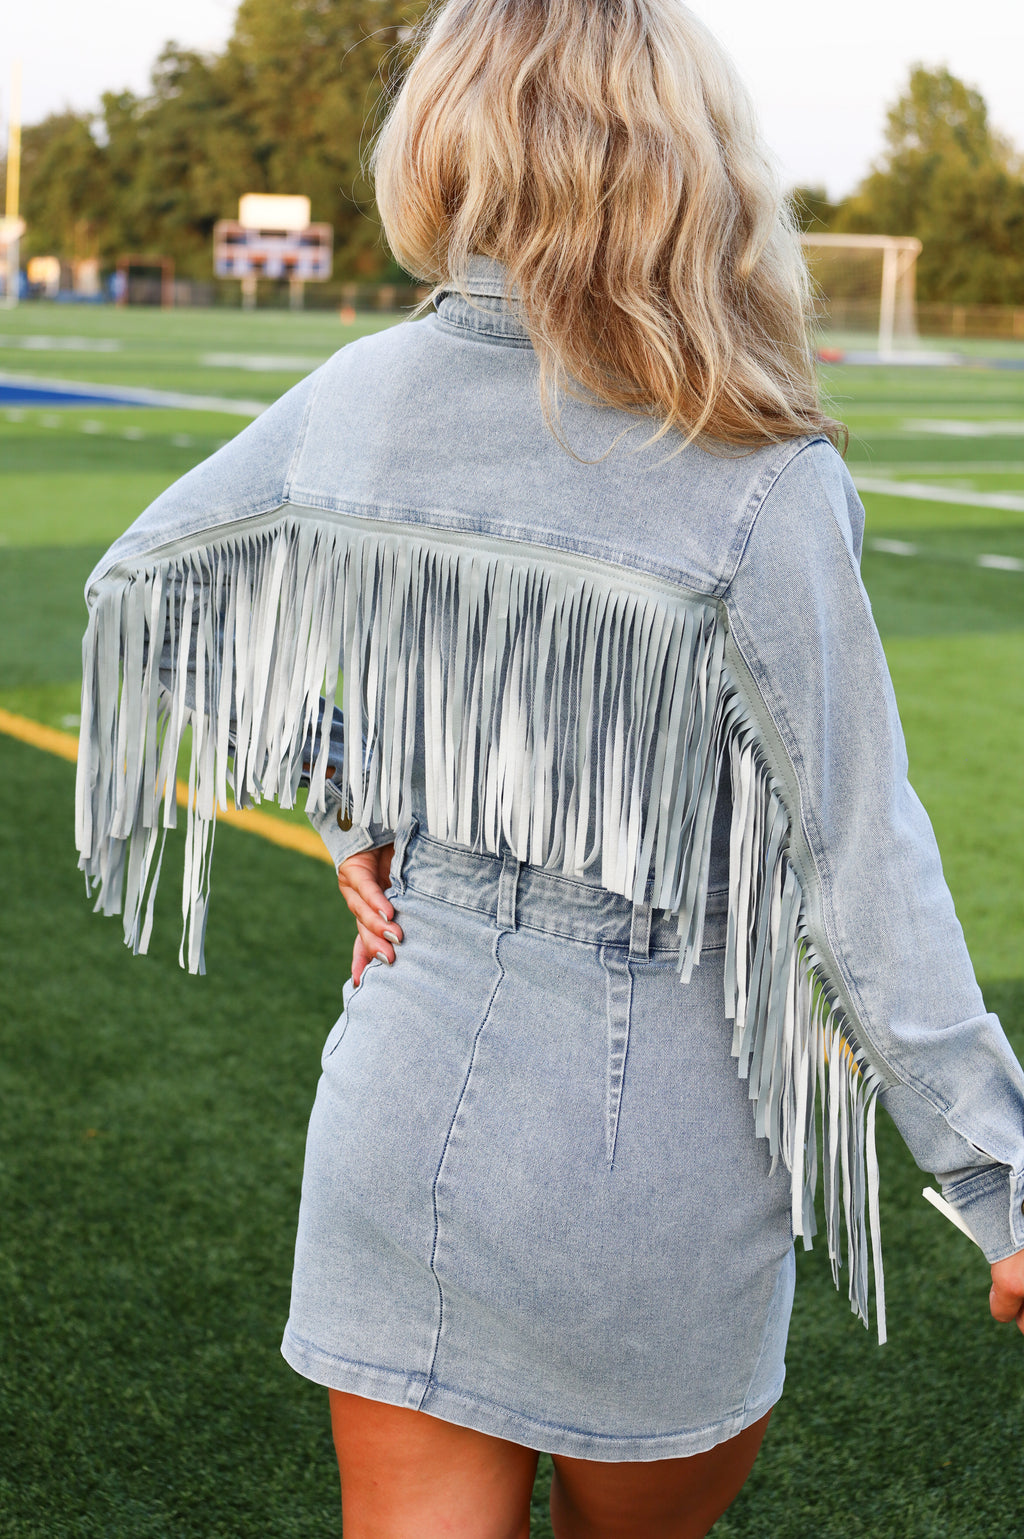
<point x="533" y="1199"/>
<point x="438" y="426"/>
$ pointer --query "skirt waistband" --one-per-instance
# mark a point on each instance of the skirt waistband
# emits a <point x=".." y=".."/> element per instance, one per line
<point x="518" y="896"/>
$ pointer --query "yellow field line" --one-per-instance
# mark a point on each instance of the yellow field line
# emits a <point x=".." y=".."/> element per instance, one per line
<point x="63" y="744"/>
<point x="252" y="821"/>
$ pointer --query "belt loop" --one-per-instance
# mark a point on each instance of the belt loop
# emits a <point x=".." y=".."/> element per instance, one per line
<point x="640" y="933"/>
<point x="402" y="839"/>
<point x="508" y="887"/>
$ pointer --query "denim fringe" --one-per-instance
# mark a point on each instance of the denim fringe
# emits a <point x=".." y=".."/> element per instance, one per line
<point x="577" y="721"/>
<point x="792" y="1037"/>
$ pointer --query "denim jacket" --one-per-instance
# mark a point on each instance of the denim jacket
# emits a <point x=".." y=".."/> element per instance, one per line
<point x="648" y="665"/>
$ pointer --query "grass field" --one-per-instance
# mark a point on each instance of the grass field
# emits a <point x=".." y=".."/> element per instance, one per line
<point x="153" y="1128"/>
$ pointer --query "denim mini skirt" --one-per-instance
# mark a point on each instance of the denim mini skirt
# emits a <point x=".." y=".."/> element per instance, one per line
<point x="533" y="1200"/>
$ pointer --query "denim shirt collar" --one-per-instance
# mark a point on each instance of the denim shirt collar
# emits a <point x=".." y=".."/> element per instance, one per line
<point x="487" y="312"/>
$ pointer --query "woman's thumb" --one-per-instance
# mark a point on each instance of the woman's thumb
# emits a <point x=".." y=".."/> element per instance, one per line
<point x="1004" y="1303"/>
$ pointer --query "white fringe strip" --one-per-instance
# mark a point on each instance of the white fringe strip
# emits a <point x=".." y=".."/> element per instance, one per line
<point x="578" y="722"/>
<point x="791" y="1036"/>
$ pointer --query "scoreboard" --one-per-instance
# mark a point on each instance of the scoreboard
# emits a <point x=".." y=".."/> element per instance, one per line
<point x="247" y="251"/>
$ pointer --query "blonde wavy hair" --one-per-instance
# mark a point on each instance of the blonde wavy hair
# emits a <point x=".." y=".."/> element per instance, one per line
<point x="606" y="153"/>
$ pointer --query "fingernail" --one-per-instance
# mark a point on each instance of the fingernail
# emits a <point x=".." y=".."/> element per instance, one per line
<point x="385" y="917"/>
<point x="382" y="958"/>
<point x="396" y="940"/>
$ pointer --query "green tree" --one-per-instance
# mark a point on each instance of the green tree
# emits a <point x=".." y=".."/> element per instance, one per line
<point x="288" y="107"/>
<point x="172" y="159"/>
<point x="949" y="179"/>
<point x="813" y="208"/>
<point x="64" y="193"/>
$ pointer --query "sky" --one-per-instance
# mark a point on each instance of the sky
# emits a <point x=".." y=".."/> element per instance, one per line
<point x="821" y="74"/>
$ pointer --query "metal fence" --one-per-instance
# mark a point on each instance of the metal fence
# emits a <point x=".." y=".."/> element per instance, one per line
<point x="978" y="322"/>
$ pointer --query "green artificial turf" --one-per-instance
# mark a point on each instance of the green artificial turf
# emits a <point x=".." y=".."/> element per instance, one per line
<point x="42" y="613"/>
<point x="962" y="702"/>
<point x="151" y="1146"/>
<point x="942" y="591"/>
<point x="151" y="1155"/>
<point x="216" y="352"/>
<point x="900" y="518"/>
<point x="109" y="440"/>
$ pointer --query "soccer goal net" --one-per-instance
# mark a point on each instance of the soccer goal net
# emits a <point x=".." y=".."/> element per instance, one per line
<point x="864" y="287"/>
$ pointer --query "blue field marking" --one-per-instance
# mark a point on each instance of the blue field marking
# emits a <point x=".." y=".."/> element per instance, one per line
<point x="40" y="395"/>
<point x="28" y="390"/>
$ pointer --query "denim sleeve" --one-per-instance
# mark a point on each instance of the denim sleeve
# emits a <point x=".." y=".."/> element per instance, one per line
<point x="878" y="906"/>
<point x="340" y="835"/>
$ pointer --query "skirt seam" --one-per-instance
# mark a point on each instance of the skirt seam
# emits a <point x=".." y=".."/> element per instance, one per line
<point x="444" y="1152"/>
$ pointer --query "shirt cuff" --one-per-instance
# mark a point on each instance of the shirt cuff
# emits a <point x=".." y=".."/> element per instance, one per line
<point x="991" y="1204"/>
<point x="340" y="835"/>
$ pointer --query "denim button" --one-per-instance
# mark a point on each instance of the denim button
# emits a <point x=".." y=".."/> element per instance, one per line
<point x="344" y="823"/>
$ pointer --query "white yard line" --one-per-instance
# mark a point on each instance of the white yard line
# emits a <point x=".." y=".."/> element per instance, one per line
<point x="963" y="427"/>
<point x="263" y="363"/>
<point x="905" y="548"/>
<point x="893" y="547"/>
<point x="1002" y="563"/>
<point x="61" y="344"/>
<point x="943" y="468"/>
<point x="921" y="491"/>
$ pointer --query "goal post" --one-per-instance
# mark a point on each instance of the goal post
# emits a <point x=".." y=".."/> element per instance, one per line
<point x="159" y="291"/>
<point x="866" y="282"/>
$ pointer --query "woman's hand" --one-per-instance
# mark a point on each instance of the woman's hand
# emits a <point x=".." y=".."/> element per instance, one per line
<point x="361" y="881"/>
<point x="1006" y="1300"/>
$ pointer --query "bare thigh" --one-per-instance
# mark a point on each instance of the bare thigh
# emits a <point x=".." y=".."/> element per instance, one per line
<point x="406" y="1475"/>
<point x="666" y="1499"/>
